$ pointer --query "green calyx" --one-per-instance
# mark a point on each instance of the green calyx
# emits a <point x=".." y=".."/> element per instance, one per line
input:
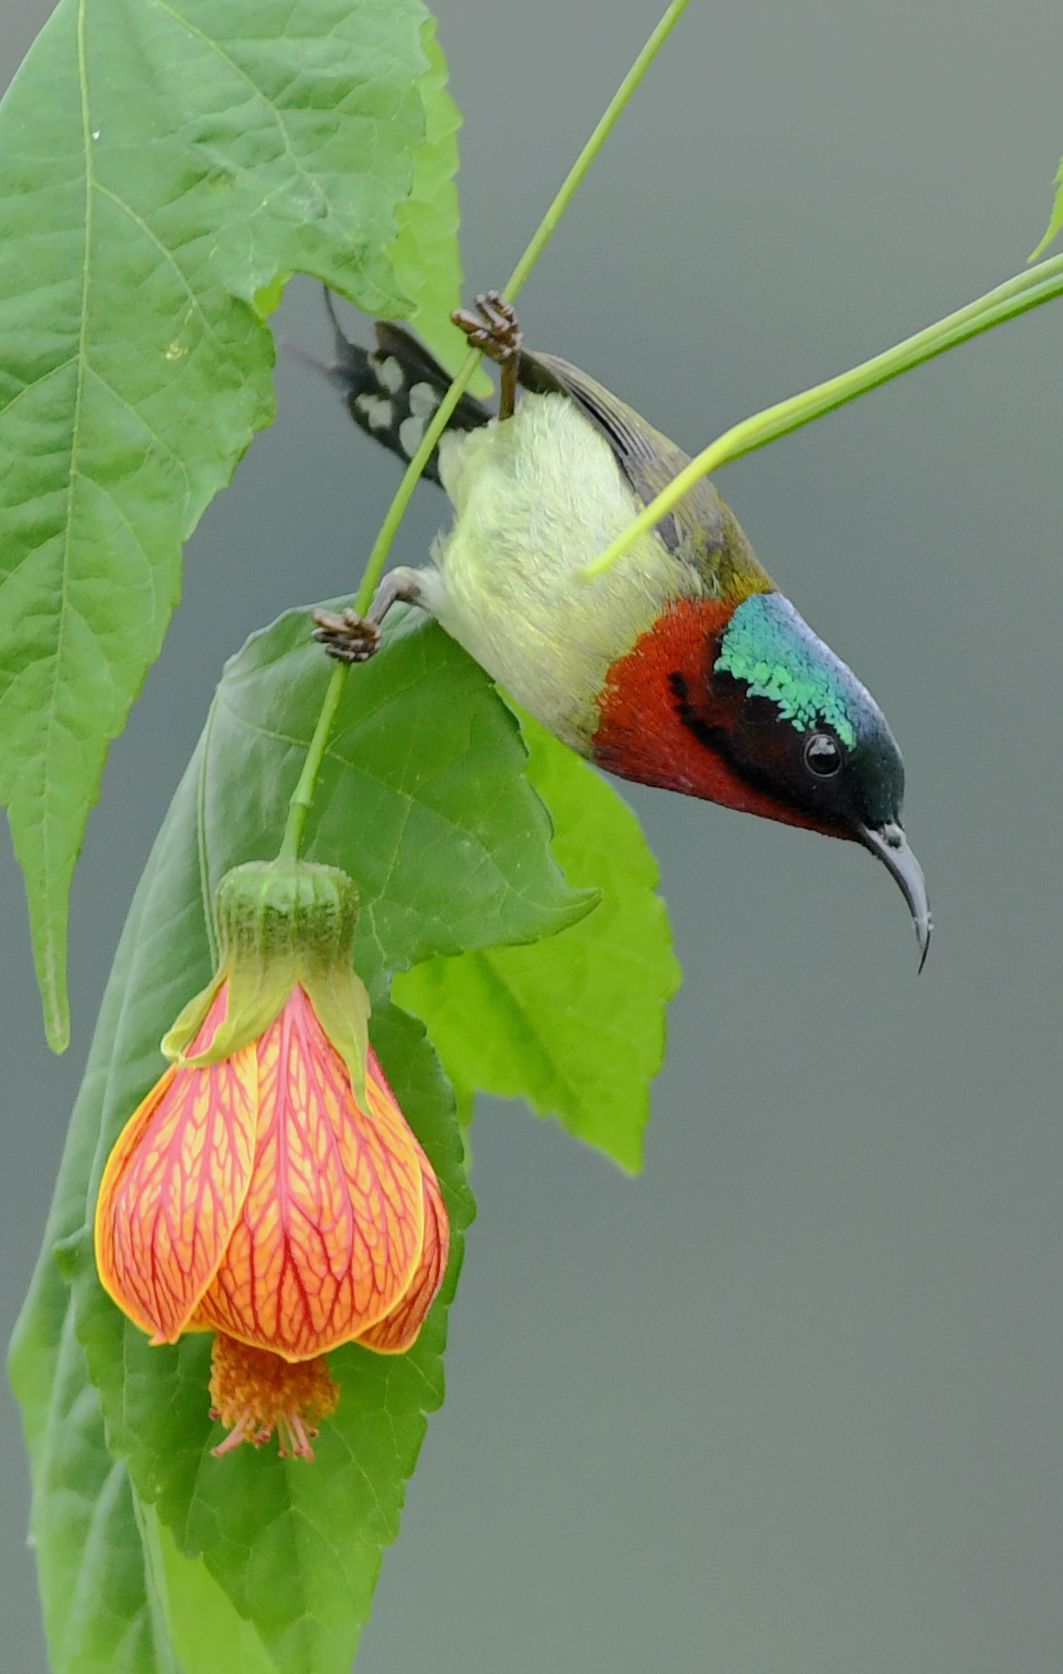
<point x="280" y="924"/>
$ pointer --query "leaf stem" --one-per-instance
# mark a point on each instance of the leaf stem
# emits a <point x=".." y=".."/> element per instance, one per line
<point x="1016" y="296"/>
<point x="303" y="796"/>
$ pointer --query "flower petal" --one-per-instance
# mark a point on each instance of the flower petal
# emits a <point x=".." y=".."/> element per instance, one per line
<point x="333" y="1223"/>
<point x="399" y="1330"/>
<point x="173" y="1187"/>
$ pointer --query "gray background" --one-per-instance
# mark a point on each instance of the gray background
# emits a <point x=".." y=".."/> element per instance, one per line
<point x="790" y="1403"/>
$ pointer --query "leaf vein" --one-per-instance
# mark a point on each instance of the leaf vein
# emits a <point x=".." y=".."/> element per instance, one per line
<point x="230" y="63"/>
<point x="37" y="383"/>
<point x="169" y="257"/>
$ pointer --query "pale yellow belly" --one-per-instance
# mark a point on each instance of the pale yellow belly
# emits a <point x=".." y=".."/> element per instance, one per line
<point x="535" y="499"/>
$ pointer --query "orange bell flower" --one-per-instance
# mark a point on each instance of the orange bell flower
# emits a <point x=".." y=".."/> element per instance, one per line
<point x="269" y="1188"/>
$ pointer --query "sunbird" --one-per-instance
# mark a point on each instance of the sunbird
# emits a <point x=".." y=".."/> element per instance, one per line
<point x="681" y="666"/>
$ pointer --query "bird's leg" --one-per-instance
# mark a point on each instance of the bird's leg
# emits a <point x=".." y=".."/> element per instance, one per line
<point x="351" y="638"/>
<point x="494" y="329"/>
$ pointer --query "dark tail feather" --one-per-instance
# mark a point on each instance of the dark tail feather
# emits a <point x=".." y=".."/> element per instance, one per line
<point x="392" y="391"/>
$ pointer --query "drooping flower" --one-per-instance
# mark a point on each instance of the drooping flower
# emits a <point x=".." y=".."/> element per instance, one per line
<point x="269" y="1188"/>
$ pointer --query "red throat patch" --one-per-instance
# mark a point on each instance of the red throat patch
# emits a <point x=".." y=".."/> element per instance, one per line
<point x="655" y="721"/>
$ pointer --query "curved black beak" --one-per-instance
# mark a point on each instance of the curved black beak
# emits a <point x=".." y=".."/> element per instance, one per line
<point x="890" y="844"/>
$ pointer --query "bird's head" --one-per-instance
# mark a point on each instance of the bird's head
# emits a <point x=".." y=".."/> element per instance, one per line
<point x="795" y="724"/>
<point x="744" y="705"/>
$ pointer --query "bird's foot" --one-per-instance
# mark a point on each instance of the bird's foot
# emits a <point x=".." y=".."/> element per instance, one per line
<point x="348" y="637"/>
<point x="494" y="330"/>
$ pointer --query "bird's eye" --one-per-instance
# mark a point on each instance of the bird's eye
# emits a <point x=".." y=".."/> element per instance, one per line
<point x="823" y="755"/>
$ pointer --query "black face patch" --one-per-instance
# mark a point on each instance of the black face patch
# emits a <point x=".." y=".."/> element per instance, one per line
<point x="770" y="755"/>
<point x="711" y="737"/>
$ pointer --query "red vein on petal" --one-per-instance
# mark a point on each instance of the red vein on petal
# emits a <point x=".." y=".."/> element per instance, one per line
<point x="333" y="1222"/>
<point x="174" y="1186"/>
<point x="399" y="1330"/>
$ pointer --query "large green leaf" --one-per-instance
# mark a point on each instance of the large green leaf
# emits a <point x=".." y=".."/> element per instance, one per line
<point x="103" y="1613"/>
<point x="160" y="166"/>
<point x="421" y="796"/>
<point x="102" y="1610"/>
<point x="424" y="801"/>
<point x="209" y="1636"/>
<point x="575" y="1024"/>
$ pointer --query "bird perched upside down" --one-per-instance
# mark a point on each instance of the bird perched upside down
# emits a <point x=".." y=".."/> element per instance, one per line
<point x="682" y="666"/>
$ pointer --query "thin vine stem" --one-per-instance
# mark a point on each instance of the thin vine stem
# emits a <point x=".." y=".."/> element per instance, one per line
<point x="1016" y="296"/>
<point x="302" y="798"/>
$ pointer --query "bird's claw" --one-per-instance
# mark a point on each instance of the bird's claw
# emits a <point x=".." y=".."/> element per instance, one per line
<point x="493" y="328"/>
<point x="348" y="637"/>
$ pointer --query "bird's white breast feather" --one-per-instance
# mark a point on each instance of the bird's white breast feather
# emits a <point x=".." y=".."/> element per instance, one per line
<point x="536" y="497"/>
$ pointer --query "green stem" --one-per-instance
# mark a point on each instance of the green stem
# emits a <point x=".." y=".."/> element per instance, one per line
<point x="514" y="284"/>
<point x="303" y="796"/>
<point x="574" y="179"/>
<point x="1016" y="296"/>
